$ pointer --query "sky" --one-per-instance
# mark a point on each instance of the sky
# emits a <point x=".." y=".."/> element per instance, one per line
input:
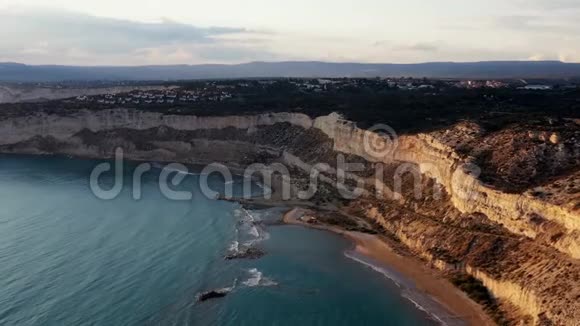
<point x="146" y="32"/>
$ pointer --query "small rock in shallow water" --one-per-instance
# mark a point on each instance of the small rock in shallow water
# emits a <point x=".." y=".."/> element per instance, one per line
<point x="246" y="253"/>
<point x="213" y="294"/>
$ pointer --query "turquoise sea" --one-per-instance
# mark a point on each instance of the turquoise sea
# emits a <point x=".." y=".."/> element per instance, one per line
<point x="69" y="258"/>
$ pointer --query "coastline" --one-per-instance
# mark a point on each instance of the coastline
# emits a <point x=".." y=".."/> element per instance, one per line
<point x="424" y="287"/>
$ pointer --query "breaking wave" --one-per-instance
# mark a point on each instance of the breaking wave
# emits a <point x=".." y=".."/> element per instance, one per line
<point x="258" y="279"/>
<point x="431" y="307"/>
<point x="422" y="301"/>
<point x="400" y="282"/>
<point x="234" y="247"/>
<point x="248" y="231"/>
<point x="231" y="288"/>
<point x="265" y="189"/>
<point x="254" y="232"/>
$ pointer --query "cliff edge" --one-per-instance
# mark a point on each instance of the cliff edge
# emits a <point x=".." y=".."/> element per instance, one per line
<point x="510" y="221"/>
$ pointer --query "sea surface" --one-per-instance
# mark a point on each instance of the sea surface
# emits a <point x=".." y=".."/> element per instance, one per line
<point x="70" y="258"/>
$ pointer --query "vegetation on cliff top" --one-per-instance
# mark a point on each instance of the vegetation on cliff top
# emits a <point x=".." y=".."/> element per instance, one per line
<point x="368" y="103"/>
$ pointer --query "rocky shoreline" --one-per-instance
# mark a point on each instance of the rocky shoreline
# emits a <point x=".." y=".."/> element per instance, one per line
<point x="521" y="247"/>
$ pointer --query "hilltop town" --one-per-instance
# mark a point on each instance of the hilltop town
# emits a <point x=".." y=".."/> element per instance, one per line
<point x="407" y="104"/>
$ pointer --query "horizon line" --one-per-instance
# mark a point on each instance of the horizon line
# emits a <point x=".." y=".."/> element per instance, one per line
<point x="284" y="61"/>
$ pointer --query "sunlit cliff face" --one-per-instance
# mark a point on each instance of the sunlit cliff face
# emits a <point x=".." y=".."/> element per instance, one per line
<point x="530" y="234"/>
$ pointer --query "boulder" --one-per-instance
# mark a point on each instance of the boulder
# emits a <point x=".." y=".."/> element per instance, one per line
<point x="213" y="294"/>
<point x="246" y="253"/>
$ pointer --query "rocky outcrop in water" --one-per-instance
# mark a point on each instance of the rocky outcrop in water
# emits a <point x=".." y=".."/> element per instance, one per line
<point x="246" y="253"/>
<point x="213" y="294"/>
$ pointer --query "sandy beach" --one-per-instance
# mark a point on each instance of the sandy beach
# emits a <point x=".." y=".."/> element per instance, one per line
<point x="425" y="287"/>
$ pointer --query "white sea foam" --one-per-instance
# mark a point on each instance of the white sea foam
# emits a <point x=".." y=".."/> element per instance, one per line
<point x="422" y="301"/>
<point x="164" y="167"/>
<point x="254" y="232"/>
<point x="265" y="189"/>
<point x="249" y="216"/>
<point x="432" y="308"/>
<point x="228" y="289"/>
<point x="234" y="247"/>
<point x="182" y="172"/>
<point x="388" y="274"/>
<point x="248" y="233"/>
<point x="255" y="277"/>
<point x="258" y="279"/>
<point x="264" y="235"/>
<point x="258" y="235"/>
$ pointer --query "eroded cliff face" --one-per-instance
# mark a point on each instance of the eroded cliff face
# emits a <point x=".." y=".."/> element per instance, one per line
<point x="520" y="213"/>
<point x="523" y="247"/>
<point x="19" y="129"/>
<point x="538" y="281"/>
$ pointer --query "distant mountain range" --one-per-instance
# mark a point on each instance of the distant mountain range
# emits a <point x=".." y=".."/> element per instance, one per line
<point x="15" y="72"/>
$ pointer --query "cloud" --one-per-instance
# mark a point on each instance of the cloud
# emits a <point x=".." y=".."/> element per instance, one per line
<point x="517" y="21"/>
<point x="410" y="47"/>
<point x="534" y="25"/>
<point x="421" y="47"/>
<point x="538" y="30"/>
<point x="221" y="53"/>
<point x="550" y="4"/>
<point x="44" y="35"/>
